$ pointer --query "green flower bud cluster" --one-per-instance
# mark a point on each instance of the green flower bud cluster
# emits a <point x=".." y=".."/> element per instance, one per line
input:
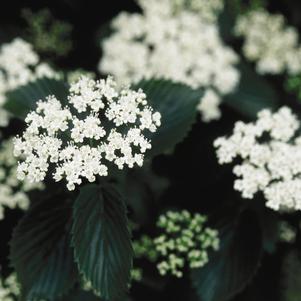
<point x="287" y="233"/>
<point x="136" y="274"/>
<point x="293" y="85"/>
<point x="185" y="239"/>
<point x="48" y="35"/>
<point x="144" y="247"/>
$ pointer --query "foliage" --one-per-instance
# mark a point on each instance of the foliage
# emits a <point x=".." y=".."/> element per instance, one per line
<point x="48" y="35"/>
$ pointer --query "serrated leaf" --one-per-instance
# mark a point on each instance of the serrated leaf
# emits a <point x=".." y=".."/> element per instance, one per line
<point x="22" y="100"/>
<point x="101" y="240"/>
<point x="252" y="94"/>
<point x="177" y="104"/>
<point x="41" y="252"/>
<point x="231" y="268"/>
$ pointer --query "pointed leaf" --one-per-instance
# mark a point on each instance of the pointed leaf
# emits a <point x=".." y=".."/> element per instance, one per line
<point x="231" y="268"/>
<point x="22" y="100"/>
<point x="101" y="240"/>
<point x="41" y="252"/>
<point x="177" y="104"/>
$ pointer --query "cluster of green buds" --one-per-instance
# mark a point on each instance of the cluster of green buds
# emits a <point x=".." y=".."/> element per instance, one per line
<point x="47" y="34"/>
<point x="185" y="239"/>
<point x="293" y="85"/>
<point x="287" y="233"/>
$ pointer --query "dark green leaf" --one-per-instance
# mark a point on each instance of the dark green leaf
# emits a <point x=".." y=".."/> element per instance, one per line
<point x="270" y="233"/>
<point x="79" y="295"/>
<point x="101" y="240"/>
<point x="253" y="93"/>
<point x="231" y="268"/>
<point x="23" y="99"/>
<point x="291" y="277"/>
<point x="41" y="252"/>
<point x="227" y="20"/>
<point x="177" y="104"/>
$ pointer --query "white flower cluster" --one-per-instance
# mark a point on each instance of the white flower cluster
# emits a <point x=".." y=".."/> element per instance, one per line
<point x="13" y="193"/>
<point x="19" y="64"/>
<point x="271" y="158"/>
<point x="181" y="47"/>
<point x="9" y="288"/>
<point x="185" y="239"/>
<point x="207" y="10"/>
<point x="98" y="123"/>
<point x="269" y="42"/>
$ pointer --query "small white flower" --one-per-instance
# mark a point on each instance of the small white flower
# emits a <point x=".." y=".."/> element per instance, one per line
<point x="271" y="158"/>
<point x="172" y="43"/>
<point x="98" y="124"/>
<point x="269" y="42"/>
<point x="9" y="288"/>
<point x="19" y="65"/>
<point x="13" y="192"/>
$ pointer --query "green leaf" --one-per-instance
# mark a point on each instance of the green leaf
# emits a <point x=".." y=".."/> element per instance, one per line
<point x="177" y="104"/>
<point x="231" y="268"/>
<point x="291" y="276"/>
<point x="253" y="93"/>
<point x="270" y="230"/>
<point x="22" y="100"/>
<point x="101" y="240"/>
<point x="80" y="296"/>
<point x="142" y="189"/>
<point x="41" y="252"/>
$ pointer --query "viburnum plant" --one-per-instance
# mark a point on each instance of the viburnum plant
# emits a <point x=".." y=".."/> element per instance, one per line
<point x="167" y="168"/>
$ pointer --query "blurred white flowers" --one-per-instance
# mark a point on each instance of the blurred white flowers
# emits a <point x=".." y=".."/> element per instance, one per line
<point x="181" y="46"/>
<point x="271" y="158"/>
<point x="270" y="42"/>
<point x="19" y="64"/>
<point x="9" y="288"/>
<point x="207" y="10"/>
<point x="13" y="193"/>
<point x="98" y="123"/>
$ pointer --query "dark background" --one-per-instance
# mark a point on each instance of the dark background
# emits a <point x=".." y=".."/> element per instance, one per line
<point x="207" y="187"/>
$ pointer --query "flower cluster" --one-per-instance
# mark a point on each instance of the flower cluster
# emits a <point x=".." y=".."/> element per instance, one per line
<point x="13" y="193"/>
<point x="9" y="288"/>
<point x="185" y="239"/>
<point x="98" y="124"/>
<point x="19" y="64"/>
<point x="181" y="47"/>
<point x="207" y="10"/>
<point x="269" y="42"/>
<point x="271" y="158"/>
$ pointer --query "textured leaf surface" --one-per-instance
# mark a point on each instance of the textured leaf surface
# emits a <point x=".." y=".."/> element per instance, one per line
<point x="41" y="252"/>
<point x="101" y="240"/>
<point x="177" y="104"/>
<point x="253" y="93"/>
<point x="231" y="268"/>
<point x="23" y="100"/>
<point x="80" y="296"/>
